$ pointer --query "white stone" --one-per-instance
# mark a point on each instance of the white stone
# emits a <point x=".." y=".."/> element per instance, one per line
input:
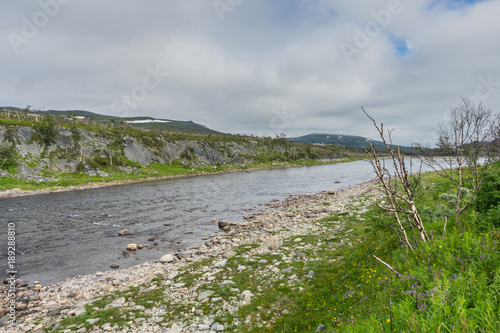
<point x="167" y="258"/>
<point x="221" y="263"/>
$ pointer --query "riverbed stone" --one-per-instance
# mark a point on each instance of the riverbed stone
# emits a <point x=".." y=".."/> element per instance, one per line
<point x="117" y="303"/>
<point x="217" y="327"/>
<point x="247" y="294"/>
<point x="269" y="230"/>
<point x="167" y="258"/>
<point x="204" y="295"/>
<point x="229" y="254"/>
<point x="124" y="232"/>
<point x="221" y="263"/>
<point x="131" y="247"/>
<point x="227" y="283"/>
<point x="92" y="321"/>
<point x="299" y="255"/>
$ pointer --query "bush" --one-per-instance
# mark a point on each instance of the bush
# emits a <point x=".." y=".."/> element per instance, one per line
<point x="80" y="167"/>
<point x="48" y="130"/>
<point x="487" y="201"/>
<point x="489" y="195"/>
<point x="8" y="158"/>
<point x="492" y="217"/>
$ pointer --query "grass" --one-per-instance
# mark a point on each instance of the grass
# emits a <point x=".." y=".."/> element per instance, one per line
<point x="153" y="171"/>
<point x="449" y="284"/>
<point x="254" y="153"/>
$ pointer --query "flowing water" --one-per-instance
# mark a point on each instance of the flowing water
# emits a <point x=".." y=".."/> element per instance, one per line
<point x="59" y="235"/>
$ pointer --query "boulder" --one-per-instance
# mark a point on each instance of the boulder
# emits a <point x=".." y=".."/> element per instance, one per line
<point x="131" y="247"/>
<point x="204" y="295"/>
<point x="124" y="232"/>
<point x="184" y="255"/>
<point x="167" y="258"/>
<point x="223" y="225"/>
<point x="247" y="294"/>
<point x="229" y="254"/>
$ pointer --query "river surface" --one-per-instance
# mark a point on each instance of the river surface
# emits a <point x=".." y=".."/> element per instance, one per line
<point x="60" y="235"/>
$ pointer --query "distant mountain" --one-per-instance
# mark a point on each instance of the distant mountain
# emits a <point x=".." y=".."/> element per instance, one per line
<point x="343" y="140"/>
<point x="142" y="122"/>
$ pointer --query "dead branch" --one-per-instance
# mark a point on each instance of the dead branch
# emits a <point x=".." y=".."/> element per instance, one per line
<point x="387" y="265"/>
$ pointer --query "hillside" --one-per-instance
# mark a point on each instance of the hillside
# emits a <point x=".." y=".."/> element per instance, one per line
<point x="343" y="140"/>
<point x="66" y="151"/>
<point x="150" y="123"/>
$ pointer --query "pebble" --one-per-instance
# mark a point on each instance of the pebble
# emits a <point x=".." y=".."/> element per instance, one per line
<point x="204" y="295"/>
<point x="131" y="247"/>
<point x="299" y="255"/>
<point x="167" y="258"/>
<point x="229" y="254"/>
<point x="268" y="229"/>
<point x="227" y="282"/>
<point x="217" y="327"/>
<point x="221" y="263"/>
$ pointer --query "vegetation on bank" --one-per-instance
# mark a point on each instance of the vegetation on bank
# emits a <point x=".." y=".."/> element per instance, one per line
<point x="450" y="284"/>
<point x="112" y="162"/>
<point x="151" y="172"/>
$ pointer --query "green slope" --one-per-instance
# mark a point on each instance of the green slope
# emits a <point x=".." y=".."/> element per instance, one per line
<point x="153" y="124"/>
<point x="343" y="140"/>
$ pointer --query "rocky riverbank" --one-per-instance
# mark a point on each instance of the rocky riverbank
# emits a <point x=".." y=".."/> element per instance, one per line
<point x="221" y="285"/>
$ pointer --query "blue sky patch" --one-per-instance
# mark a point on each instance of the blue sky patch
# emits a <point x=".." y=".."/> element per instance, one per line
<point x="454" y="4"/>
<point x="402" y="47"/>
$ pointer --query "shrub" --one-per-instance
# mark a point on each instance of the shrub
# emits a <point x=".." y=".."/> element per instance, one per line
<point x="8" y="158"/>
<point x="489" y="195"/>
<point x="48" y="130"/>
<point x="80" y="167"/>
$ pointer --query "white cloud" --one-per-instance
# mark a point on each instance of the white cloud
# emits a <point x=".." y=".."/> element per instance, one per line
<point x="231" y="75"/>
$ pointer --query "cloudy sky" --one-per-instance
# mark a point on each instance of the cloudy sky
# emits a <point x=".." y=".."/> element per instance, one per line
<point x="258" y="67"/>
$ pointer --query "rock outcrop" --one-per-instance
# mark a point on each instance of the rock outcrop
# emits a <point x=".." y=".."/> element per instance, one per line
<point x="79" y="150"/>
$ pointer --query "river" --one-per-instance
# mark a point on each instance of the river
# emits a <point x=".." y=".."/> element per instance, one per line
<point x="60" y="235"/>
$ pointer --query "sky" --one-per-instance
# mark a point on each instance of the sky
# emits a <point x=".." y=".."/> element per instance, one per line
<point x="261" y="67"/>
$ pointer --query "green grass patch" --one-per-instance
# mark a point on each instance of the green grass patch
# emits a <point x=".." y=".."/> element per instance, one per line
<point x="450" y="284"/>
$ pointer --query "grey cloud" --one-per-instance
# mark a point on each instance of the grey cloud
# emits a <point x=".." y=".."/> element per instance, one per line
<point x="265" y="55"/>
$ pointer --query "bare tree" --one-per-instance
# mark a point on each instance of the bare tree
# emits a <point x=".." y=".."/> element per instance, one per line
<point x="399" y="189"/>
<point x="465" y="139"/>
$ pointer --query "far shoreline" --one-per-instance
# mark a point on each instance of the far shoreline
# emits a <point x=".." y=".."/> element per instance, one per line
<point x="16" y="192"/>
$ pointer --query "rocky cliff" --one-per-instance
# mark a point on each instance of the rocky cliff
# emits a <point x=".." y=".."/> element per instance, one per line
<point x="40" y="151"/>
